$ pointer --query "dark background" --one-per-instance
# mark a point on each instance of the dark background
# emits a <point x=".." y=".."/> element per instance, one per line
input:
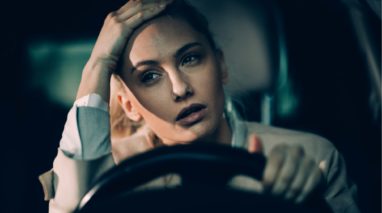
<point x="325" y="62"/>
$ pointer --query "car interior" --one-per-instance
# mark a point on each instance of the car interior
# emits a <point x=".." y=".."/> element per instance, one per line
<point x="313" y="66"/>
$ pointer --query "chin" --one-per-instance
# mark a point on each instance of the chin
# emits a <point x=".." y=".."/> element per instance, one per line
<point x="203" y="131"/>
<point x="185" y="138"/>
<point x="199" y="132"/>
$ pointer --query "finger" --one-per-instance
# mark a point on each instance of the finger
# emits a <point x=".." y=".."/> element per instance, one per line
<point x="299" y="181"/>
<point x="254" y="144"/>
<point x="142" y="16"/>
<point x="125" y="6"/>
<point x="273" y="166"/>
<point x="130" y="10"/>
<point x="125" y="15"/>
<point x="132" y="3"/>
<point x="289" y="170"/>
<point x="311" y="184"/>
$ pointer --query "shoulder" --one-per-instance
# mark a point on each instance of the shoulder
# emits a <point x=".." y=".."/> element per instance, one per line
<point x="314" y="145"/>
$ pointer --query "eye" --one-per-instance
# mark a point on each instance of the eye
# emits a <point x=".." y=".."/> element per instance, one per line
<point x="190" y="60"/>
<point x="149" y="77"/>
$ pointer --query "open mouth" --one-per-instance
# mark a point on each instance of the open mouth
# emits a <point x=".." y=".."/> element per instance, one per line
<point x="191" y="114"/>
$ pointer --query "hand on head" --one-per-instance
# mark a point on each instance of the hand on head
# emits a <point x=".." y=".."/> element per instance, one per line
<point x="111" y="41"/>
<point x="120" y="24"/>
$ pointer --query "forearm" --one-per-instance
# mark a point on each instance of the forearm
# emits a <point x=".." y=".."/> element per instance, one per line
<point x="96" y="78"/>
<point x="84" y="151"/>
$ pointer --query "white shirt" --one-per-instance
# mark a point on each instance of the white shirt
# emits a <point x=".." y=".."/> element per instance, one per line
<point x="86" y="137"/>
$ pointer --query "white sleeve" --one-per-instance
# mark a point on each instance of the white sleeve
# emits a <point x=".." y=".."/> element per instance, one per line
<point x="86" y="134"/>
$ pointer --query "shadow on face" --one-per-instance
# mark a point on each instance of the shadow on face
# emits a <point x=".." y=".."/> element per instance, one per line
<point x="170" y="68"/>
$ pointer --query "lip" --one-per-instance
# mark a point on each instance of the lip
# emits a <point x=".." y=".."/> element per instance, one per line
<point x="191" y="114"/>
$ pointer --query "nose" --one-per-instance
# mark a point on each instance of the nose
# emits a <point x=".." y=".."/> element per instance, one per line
<point x="181" y="89"/>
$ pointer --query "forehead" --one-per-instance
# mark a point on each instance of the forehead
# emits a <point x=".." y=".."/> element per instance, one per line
<point x="162" y="37"/>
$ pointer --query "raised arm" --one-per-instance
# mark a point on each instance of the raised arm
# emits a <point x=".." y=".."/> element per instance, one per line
<point x="110" y="44"/>
<point x="79" y="160"/>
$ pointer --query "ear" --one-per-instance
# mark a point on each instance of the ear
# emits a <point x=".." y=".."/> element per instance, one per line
<point x="222" y="65"/>
<point x="128" y="107"/>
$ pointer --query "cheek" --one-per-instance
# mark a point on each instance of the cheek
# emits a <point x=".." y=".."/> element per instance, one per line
<point x="209" y="83"/>
<point x="165" y="128"/>
<point x="154" y="103"/>
<point x="151" y="108"/>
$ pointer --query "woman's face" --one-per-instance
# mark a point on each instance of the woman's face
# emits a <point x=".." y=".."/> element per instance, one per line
<point x="174" y="81"/>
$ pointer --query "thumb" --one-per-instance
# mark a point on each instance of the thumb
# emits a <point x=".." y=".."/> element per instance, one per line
<point x="254" y="144"/>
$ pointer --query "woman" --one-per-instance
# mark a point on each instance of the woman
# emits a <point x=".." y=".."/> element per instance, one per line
<point x="171" y="77"/>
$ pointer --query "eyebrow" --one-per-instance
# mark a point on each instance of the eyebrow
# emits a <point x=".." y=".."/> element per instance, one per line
<point x="178" y="53"/>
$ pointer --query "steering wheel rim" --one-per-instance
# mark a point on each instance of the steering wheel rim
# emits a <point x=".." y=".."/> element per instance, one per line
<point x="190" y="162"/>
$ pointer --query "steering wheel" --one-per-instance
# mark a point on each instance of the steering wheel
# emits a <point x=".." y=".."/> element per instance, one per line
<point x="204" y="169"/>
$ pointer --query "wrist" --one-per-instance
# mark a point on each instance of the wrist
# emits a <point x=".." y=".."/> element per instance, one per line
<point x="108" y="64"/>
<point x="96" y="78"/>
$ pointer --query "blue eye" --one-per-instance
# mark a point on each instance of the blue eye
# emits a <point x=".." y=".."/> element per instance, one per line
<point x="149" y="77"/>
<point x="190" y="60"/>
